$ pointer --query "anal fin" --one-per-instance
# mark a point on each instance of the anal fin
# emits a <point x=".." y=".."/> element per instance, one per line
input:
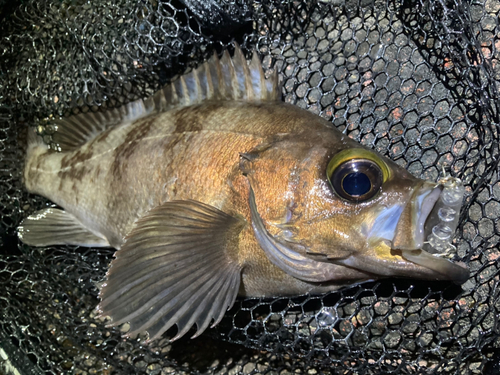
<point x="53" y="226"/>
<point x="176" y="267"/>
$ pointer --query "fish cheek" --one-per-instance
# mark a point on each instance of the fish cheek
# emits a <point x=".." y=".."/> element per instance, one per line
<point x="338" y="236"/>
<point x="357" y="229"/>
<point x="269" y="176"/>
<point x="340" y="228"/>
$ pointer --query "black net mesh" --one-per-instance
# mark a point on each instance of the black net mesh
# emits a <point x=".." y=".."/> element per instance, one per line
<point x="415" y="79"/>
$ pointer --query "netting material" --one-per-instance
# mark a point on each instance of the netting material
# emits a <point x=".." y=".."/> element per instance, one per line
<point x="417" y="81"/>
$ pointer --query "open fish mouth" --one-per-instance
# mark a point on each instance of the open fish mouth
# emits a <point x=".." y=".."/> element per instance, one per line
<point x="430" y="218"/>
<point x="436" y="213"/>
<point x="436" y="221"/>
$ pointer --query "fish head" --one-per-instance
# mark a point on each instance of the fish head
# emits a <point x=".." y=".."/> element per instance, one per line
<point x="332" y="209"/>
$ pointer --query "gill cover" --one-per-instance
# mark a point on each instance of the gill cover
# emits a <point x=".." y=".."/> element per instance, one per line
<point x="292" y="257"/>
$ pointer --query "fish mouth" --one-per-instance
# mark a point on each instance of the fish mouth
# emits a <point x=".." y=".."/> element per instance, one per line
<point x="430" y="218"/>
<point x="442" y="268"/>
<point x="427" y="202"/>
<point x="433" y="213"/>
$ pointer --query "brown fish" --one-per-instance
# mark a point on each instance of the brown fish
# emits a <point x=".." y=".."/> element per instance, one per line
<point x="213" y="188"/>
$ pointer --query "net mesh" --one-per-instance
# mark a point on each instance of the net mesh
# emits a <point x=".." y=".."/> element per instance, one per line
<point x="417" y="80"/>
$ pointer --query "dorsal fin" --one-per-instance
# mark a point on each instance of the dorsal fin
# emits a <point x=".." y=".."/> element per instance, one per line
<point x="224" y="79"/>
<point x="216" y="79"/>
<point x="72" y="132"/>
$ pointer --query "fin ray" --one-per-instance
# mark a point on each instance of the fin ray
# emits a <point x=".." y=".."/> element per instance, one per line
<point x="74" y="131"/>
<point x="53" y="226"/>
<point x="216" y="79"/>
<point x="157" y="283"/>
<point x="188" y="274"/>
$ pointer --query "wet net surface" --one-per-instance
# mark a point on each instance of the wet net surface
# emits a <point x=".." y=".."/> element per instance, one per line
<point x="416" y="80"/>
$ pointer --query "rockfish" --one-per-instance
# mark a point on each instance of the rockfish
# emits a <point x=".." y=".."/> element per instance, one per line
<point x="214" y="188"/>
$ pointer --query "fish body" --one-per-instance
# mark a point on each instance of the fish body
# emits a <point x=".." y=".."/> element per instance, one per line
<point x="227" y="192"/>
<point x="189" y="153"/>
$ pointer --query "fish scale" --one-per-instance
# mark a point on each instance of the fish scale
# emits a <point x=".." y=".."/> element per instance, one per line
<point x="193" y="186"/>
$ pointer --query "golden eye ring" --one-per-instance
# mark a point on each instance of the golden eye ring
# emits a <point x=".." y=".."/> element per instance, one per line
<point x="357" y="180"/>
<point x="357" y="175"/>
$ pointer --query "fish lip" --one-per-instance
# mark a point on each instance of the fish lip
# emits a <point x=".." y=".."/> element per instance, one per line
<point x="429" y="197"/>
<point x="427" y="253"/>
<point x="443" y="268"/>
<point x="410" y="231"/>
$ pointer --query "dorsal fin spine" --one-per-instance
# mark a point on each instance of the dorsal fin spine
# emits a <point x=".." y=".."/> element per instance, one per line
<point x="228" y="75"/>
<point x="242" y="75"/>
<point x="217" y="79"/>
<point x="257" y="76"/>
<point x="193" y="87"/>
<point x="178" y="90"/>
<point x="201" y="79"/>
<point x="215" y="74"/>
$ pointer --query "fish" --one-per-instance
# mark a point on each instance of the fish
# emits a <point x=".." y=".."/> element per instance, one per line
<point x="214" y="187"/>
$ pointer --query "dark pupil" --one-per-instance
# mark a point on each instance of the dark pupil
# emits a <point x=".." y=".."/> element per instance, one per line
<point x="356" y="184"/>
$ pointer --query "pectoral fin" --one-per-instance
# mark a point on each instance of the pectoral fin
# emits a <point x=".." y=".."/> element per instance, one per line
<point x="177" y="266"/>
<point x="53" y="226"/>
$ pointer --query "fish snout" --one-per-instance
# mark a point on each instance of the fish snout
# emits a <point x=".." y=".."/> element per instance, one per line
<point x="430" y="218"/>
<point x="426" y="228"/>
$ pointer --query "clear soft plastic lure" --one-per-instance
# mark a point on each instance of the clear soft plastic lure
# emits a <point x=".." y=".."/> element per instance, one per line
<point x="445" y="217"/>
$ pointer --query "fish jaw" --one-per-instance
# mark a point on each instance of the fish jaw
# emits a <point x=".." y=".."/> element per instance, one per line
<point x="384" y="261"/>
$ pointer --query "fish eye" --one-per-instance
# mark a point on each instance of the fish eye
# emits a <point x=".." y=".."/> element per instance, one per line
<point x="357" y="180"/>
